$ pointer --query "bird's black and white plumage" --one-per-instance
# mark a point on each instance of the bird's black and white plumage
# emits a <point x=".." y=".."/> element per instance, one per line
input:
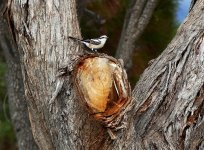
<point x="93" y="44"/>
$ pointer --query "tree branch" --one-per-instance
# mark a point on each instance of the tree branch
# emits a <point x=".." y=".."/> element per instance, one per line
<point x="136" y="20"/>
<point x="169" y="94"/>
<point x="168" y="98"/>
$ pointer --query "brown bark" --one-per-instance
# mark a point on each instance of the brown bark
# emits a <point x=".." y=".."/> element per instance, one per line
<point x="137" y="18"/>
<point x="41" y="31"/>
<point x="17" y="103"/>
<point x="169" y="94"/>
<point x="168" y="97"/>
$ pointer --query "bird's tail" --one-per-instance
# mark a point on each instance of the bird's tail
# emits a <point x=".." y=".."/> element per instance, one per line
<point x="73" y="38"/>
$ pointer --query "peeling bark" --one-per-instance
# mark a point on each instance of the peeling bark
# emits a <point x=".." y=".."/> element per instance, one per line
<point x="168" y="99"/>
<point x="15" y="88"/>
<point x="169" y="109"/>
<point x="102" y="83"/>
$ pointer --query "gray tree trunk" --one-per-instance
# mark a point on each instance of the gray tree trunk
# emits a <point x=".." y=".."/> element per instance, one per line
<point x="168" y="99"/>
<point x="17" y="103"/>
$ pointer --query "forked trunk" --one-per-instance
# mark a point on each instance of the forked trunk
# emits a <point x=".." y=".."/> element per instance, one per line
<point x="168" y="98"/>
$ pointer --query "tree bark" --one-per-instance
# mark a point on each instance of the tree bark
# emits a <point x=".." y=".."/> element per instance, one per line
<point x="15" y="88"/>
<point x="169" y="94"/>
<point x="168" y="99"/>
<point x="41" y="31"/>
<point x="136" y="20"/>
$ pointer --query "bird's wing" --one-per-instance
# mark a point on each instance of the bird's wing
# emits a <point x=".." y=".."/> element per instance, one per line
<point x="93" y="41"/>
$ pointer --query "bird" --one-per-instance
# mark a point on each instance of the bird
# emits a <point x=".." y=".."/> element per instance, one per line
<point x="93" y="44"/>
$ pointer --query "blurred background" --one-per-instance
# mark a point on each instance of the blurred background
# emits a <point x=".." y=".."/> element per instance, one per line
<point x="166" y="18"/>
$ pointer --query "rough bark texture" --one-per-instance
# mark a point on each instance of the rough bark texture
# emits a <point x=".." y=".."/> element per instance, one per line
<point x="169" y="94"/>
<point x="41" y="31"/>
<point x="168" y="110"/>
<point x="136" y="20"/>
<point x="17" y="103"/>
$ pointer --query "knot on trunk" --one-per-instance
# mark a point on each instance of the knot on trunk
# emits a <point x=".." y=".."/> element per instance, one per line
<point x="103" y="86"/>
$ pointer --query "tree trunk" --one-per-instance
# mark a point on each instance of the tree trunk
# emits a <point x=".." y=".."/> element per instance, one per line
<point x="168" y="99"/>
<point x="137" y="18"/>
<point x="17" y="103"/>
<point x="169" y="94"/>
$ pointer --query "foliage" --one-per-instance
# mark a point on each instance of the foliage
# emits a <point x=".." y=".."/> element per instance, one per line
<point x="159" y="32"/>
<point x="2" y="80"/>
<point x="114" y="12"/>
<point x="157" y="35"/>
<point x="5" y="127"/>
<point x="162" y="26"/>
<point x="7" y="137"/>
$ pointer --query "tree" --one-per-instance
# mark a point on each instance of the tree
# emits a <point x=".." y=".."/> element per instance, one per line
<point x="17" y="103"/>
<point x="168" y="98"/>
<point x="133" y="27"/>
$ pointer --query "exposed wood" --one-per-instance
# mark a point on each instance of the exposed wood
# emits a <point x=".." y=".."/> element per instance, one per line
<point x="102" y="84"/>
<point x="41" y="30"/>
<point x="168" y="99"/>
